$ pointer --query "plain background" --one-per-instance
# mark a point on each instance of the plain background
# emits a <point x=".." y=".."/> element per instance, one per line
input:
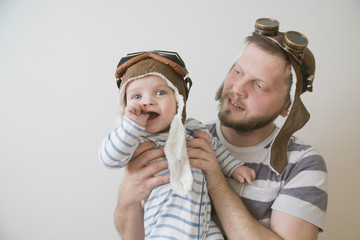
<point x="58" y="98"/>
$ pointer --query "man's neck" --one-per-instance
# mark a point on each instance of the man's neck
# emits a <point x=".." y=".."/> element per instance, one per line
<point x="247" y="139"/>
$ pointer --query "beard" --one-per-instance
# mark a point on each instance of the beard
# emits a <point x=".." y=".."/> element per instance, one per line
<point x="245" y="125"/>
<point x="242" y="125"/>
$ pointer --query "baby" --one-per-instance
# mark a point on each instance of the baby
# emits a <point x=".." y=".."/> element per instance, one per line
<point x="153" y="92"/>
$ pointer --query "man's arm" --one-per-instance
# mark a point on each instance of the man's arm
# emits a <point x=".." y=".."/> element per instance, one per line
<point x="137" y="184"/>
<point x="234" y="217"/>
<point x="290" y="227"/>
<point x="129" y="220"/>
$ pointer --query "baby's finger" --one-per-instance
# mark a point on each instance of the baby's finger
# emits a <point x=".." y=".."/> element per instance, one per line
<point x="253" y="174"/>
<point x="249" y="179"/>
<point x="240" y="179"/>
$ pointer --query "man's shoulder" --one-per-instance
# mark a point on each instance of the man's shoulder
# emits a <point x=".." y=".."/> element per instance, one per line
<point x="296" y="145"/>
<point x="304" y="156"/>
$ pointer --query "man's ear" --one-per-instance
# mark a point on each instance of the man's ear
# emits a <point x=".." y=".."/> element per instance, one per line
<point x="285" y="110"/>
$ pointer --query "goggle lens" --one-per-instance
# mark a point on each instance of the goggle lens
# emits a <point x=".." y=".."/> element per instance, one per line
<point x="267" y="26"/>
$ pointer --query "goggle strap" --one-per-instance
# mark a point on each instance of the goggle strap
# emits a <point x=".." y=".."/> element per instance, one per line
<point x="188" y="84"/>
<point x="118" y="82"/>
<point x="307" y="84"/>
<point x="307" y="79"/>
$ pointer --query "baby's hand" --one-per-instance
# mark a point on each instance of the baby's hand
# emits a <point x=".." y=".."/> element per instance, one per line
<point x="244" y="174"/>
<point x="137" y="114"/>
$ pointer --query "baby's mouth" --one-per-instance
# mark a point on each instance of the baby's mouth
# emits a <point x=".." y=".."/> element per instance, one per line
<point x="153" y="115"/>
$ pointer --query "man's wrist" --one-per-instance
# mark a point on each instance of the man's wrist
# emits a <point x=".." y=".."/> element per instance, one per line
<point x="219" y="186"/>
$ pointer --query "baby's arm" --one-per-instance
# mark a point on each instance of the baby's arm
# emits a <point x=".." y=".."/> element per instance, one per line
<point x="231" y="166"/>
<point x="244" y="174"/>
<point x="136" y="113"/>
<point x="118" y="147"/>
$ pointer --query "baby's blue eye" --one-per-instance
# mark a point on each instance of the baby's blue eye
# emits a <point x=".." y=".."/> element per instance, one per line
<point x="136" y="97"/>
<point x="160" y="92"/>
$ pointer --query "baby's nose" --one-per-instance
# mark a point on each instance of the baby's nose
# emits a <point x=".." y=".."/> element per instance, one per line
<point x="147" y="101"/>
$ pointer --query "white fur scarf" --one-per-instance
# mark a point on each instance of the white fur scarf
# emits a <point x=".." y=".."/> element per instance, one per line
<point x="178" y="160"/>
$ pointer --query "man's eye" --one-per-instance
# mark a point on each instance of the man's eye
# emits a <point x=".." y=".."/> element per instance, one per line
<point x="258" y="85"/>
<point x="261" y="86"/>
<point x="238" y="72"/>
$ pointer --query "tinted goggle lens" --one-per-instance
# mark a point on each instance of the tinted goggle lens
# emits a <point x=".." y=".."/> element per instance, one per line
<point x="267" y="26"/>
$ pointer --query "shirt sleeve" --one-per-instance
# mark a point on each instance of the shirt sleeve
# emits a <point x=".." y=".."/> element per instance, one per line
<point x="118" y="147"/>
<point x="305" y="191"/>
<point x="226" y="160"/>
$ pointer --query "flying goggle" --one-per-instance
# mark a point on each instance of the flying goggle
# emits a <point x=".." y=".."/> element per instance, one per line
<point x="292" y="42"/>
<point x="173" y="56"/>
<point x="172" y="59"/>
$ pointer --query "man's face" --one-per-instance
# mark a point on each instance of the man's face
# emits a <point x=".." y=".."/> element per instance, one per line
<point x="254" y="93"/>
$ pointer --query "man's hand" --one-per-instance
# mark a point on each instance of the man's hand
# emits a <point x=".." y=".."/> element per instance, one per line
<point x="137" y="184"/>
<point x="202" y="156"/>
<point x="139" y="177"/>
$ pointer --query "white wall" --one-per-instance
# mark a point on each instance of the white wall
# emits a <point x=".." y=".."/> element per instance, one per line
<point x="58" y="98"/>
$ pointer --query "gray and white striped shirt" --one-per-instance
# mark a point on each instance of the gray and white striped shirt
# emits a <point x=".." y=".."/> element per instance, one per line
<point x="300" y="190"/>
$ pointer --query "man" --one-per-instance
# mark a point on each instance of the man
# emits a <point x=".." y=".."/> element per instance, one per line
<point x="289" y="197"/>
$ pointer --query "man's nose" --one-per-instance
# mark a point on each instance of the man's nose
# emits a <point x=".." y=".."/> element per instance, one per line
<point x="240" y="87"/>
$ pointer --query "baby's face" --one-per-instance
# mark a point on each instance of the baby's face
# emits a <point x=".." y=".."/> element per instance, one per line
<point x="155" y="96"/>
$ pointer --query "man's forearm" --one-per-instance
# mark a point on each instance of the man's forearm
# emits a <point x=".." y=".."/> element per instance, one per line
<point x="234" y="217"/>
<point x="129" y="221"/>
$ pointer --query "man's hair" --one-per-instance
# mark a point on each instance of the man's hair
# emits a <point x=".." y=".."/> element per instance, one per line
<point x="271" y="47"/>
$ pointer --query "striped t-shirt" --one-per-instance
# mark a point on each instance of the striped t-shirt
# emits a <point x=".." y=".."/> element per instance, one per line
<point x="167" y="215"/>
<point x="300" y="190"/>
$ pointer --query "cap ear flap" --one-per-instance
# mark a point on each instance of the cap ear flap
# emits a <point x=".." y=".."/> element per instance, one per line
<point x="308" y="71"/>
<point x="296" y="119"/>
